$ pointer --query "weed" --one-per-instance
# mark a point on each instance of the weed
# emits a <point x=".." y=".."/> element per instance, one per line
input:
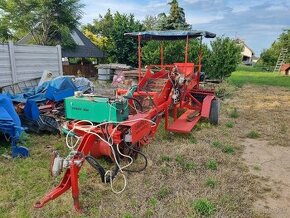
<point x="203" y="207"/>
<point x="127" y="215"/>
<point x="230" y="124"/>
<point x="210" y="182"/>
<point x="165" y="158"/>
<point x="257" y="168"/>
<point x="192" y="139"/>
<point x="153" y="202"/>
<point x="186" y="165"/>
<point x="163" y="192"/>
<point x="149" y="213"/>
<point x="211" y="164"/>
<point x="253" y="135"/>
<point x="165" y="170"/>
<point x="217" y="144"/>
<point x="234" y="113"/>
<point x="228" y="149"/>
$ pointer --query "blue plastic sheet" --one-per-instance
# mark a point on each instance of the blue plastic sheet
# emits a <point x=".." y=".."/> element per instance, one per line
<point x="38" y="94"/>
<point x="9" y="119"/>
<point x="10" y="124"/>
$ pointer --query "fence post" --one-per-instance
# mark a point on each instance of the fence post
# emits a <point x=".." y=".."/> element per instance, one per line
<point x="12" y="61"/>
<point x="59" y="59"/>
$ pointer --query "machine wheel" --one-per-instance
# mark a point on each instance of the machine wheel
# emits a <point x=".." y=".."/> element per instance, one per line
<point x="214" y="112"/>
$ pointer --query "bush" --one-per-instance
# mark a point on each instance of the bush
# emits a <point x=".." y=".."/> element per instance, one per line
<point x="223" y="58"/>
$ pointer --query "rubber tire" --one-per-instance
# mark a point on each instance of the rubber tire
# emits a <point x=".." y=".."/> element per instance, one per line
<point x="214" y="112"/>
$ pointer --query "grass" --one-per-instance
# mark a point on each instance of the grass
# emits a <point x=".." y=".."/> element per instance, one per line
<point x="210" y="182"/>
<point x="240" y="78"/>
<point x="203" y="207"/>
<point x="230" y="124"/>
<point x="225" y="148"/>
<point x="176" y="183"/>
<point x="234" y="113"/>
<point x="184" y="163"/>
<point x="253" y="135"/>
<point x="211" y="164"/>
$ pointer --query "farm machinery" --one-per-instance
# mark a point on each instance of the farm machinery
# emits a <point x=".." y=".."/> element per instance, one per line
<point x="118" y="127"/>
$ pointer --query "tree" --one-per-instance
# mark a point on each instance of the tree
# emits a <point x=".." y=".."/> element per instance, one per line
<point x="49" y="22"/>
<point x="269" y="56"/>
<point x="176" y="18"/>
<point x="224" y="57"/>
<point x="112" y="27"/>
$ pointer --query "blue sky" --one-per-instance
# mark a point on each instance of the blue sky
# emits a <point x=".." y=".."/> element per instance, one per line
<point x="258" y="22"/>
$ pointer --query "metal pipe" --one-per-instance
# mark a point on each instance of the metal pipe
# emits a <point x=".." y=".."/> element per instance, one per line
<point x="161" y="54"/>
<point x="186" y="49"/>
<point x="139" y="57"/>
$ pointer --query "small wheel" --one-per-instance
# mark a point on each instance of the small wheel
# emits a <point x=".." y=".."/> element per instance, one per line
<point x="214" y="112"/>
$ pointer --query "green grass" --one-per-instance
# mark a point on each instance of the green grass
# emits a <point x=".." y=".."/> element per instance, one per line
<point x="253" y="135"/>
<point x="234" y="113"/>
<point x="211" y="164"/>
<point x="240" y="78"/>
<point x="185" y="164"/>
<point x="210" y="182"/>
<point x="203" y="207"/>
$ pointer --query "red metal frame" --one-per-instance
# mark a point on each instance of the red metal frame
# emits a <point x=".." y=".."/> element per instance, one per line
<point x="192" y="100"/>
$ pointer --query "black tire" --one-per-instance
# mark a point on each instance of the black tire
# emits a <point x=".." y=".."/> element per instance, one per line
<point x="214" y="112"/>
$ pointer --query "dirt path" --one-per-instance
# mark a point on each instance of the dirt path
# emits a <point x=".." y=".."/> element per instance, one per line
<point x="266" y="111"/>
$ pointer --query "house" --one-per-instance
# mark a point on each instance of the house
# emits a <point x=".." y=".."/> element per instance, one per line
<point x="248" y="57"/>
<point x="83" y="49"/>
<point x="285" y="69"/>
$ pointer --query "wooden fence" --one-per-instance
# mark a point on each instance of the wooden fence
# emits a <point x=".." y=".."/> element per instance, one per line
<point x="87" y="70"/>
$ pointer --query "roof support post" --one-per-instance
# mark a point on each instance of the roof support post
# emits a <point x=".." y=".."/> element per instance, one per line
<point x="139" y="57"/>
<point x="199" y="60"/>
<point x="161" y="54"/>
<point x="186" y="49"/>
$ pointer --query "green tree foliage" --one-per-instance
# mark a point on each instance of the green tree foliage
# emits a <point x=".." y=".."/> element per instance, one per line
<point x="48" y="22"/>
<point x="269" y="56"/>
<point x="176" y="18"/>
<point x="118" y="48"/>
<point x="224" y="58"/>
<point x="173" y="52"/>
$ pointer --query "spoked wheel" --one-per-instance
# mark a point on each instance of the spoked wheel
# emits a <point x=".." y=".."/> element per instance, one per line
<point x="214" y="112"/>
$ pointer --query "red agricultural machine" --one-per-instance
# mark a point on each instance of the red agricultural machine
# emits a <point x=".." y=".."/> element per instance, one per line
<point x="118" y="127"/>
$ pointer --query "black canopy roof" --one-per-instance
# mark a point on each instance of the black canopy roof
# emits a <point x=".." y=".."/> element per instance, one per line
<point x="171" y="34"/>
<point x="84" y="48"/>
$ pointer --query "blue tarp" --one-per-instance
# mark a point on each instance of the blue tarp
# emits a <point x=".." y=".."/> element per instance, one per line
<point x="40" y="94"/>
<point x="9" y="119"/>
<point x="10" y="124"/>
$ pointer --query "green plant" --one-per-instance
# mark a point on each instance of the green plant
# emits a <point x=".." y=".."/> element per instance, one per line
<point x="217" y="144"/>
<point x="163" y="192"/>
<point x="186" y="165"/>
<point x="230" y="124"/>
<point x="165" y="158"/>
<point x="210" y="182"/>
<point x="257" y="168"/>
<point x="211" y="164"/>
<point x="224" y="57"/>
<point x="153" y="202"/>
<point x="203" y="207"/>
<point x="228" y="149"/>
<point x="127" y="215"/>
<point x="234" y="113"/>
<point x="253" y="135"/>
